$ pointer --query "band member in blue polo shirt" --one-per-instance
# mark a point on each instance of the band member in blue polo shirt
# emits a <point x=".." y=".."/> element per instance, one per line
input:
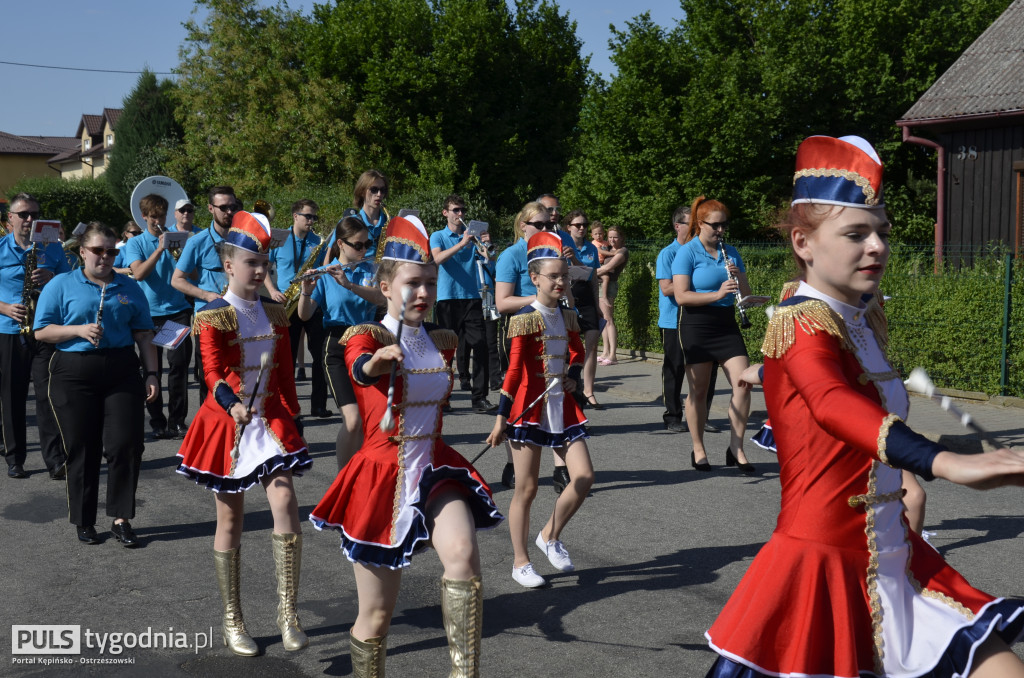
<point x="94" y="315"/>
<point x="22" y="357"/>
<point x="199" y="273"/>
<point x="152" y="266"/>
<point x="459" y="307"/>
<point x="286" y="260"/>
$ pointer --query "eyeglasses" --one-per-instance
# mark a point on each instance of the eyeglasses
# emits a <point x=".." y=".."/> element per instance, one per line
<point x="541" y="225"/>
<point x="580" y="224"/>
<point x="357" y="246"/>
<point x="100" y="251"/>
<point x="377" y="189"/>
<point x="230" y="207"/>
<point x="133" y="233"/>
<point x="27" y="214"/>
<point x="458" y="210"/>
<point x="187" y="210"/>
<point x="557" y="279"/>
<point x="309" y="217"/>
<point x="715" y="225"/>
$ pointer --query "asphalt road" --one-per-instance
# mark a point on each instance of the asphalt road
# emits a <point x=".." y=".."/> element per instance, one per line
<point x="658" y="549"/>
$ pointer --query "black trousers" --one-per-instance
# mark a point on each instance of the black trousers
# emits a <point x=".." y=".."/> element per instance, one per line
<point x="98" y="397"/>
<point x="493" y="363"/>
<point x="22" y="359"/>
<point x="315" y="337"/>
<point x="177" y="377"/>
<point x="673" y="376"/>
<point x="465" y="317"/>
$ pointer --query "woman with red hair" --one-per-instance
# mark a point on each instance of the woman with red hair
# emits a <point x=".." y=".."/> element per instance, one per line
<point x="706" y="275"/>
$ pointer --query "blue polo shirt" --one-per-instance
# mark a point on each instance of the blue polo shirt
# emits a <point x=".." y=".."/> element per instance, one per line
<point x="511" y="268"/>
<point x="12" y="273"/>
<point x="200" y="253"/>
<point x="163" y="299"/>
<point x="587" y="254"/>
<point x="73" y="299"/>
<point x="707" y="273"/>
<point x="375" y="229"/>
<point x="456" y="277"/>
<point x="668" y="309"/>
<point x="342" y="306"/>
<point x="291" y="255"/>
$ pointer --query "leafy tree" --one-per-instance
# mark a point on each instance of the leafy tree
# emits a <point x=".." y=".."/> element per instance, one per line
<point x="144" y="131"/>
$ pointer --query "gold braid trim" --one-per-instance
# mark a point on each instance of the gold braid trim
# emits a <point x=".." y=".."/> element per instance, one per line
<point x="872" y="499"/>
<point x="224" y="319"/>
<point x="883" y="437"/>
<point x="812" y="316"/>
<point x="935" y="595"/>
<point x="870" y="197"/>
<point x="380" y="334"/>
<point x="444" y="340"/>
<point x="878" y="322"/>
<point x="874" y="599"/>
<point x="788" y="289"/>
<point x="276" y="314"/>
<point x="572" y="321"/>
<point x="526" y="323"/>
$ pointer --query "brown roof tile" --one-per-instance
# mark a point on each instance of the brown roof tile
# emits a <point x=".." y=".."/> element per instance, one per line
<point x="93" y="124"/>
<point x="112" y="115"/>
<point x="12" y="143"/>
<point x="986" y="79"/>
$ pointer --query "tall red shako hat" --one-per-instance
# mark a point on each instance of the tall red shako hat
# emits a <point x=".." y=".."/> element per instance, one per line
<point x="249" y="232"/>
<point x="544" y="245"/>
<point x="406" y="240"/>
<point x="844" y="171"/>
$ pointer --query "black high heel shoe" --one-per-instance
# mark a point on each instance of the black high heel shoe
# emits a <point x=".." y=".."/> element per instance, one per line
<point x="731" y="460"/>
<point x="703" y="467"/>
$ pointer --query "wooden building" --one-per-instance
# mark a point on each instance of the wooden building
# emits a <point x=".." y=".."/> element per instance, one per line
<point x="973" y="116"/>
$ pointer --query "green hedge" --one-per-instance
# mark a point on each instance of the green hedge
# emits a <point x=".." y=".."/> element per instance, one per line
<point x="950" y="323"/>
<point x="72" y="201"/>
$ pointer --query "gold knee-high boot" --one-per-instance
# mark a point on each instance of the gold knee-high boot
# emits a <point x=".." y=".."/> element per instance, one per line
<point x="367" y="656"/>
<point x="228" y="578"/>
<point x="462" y="605"/>
<point x="288" y="563"/>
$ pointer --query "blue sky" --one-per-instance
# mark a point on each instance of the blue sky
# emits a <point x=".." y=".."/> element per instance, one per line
<point x="132" y="34"/>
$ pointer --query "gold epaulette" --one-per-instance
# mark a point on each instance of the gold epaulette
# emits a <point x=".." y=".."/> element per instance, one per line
<point x="276" y="314"/>
<point x="788" y="289"/>
<point x="878" y="322"/>
<point x="224" y="319"/>
<point x="444" y="340"/>
<point x="379" y="333"/>
<point x="523" y="324"/>
<point x="572" y="321"/>
<point x="812" y="316"/>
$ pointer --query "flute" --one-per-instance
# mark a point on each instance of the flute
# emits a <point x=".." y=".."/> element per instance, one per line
<point x="744" y="320"/>
<point x="314" y="273"/>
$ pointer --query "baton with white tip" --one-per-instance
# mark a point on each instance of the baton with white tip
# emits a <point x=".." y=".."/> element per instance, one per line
<point x="551" y="385"/>
<point x="920" y="382"/>
<point x="264" y="363"/>
<point x="387" y="422"/>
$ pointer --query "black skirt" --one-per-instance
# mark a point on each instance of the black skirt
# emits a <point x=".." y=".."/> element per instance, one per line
<point x="710" y="334"/>
<point x="586" y="306"/>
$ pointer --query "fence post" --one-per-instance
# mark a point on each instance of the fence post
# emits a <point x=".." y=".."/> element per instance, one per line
<point x="1004" y="374"/>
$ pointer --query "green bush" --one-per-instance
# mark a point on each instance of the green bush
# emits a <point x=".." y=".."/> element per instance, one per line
<point x="72" y="201"/>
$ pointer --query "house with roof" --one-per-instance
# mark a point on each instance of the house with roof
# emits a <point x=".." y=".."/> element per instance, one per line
<point x="973" y="116"/>
<point x="22" y="156"/>
<point x="91" y="156"/>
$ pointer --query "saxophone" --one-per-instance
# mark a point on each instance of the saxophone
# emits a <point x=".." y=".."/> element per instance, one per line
<point x="29" y="292"/>
<point x="291" y="295"/>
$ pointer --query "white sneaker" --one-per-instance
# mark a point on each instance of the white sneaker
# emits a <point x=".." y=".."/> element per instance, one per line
<point x="556" y="553"/>
<point x="527" y="576"/>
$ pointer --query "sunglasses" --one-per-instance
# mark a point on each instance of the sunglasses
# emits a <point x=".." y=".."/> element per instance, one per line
<point x="230" y="207"/>
<point x="187" y="210"/>
<point x="715" y="225"/>
<point x="134" y="233"/>
<point x="100" y="251"/>
<point x="27" y="215"/>
<point x="377" y="189"/>
<point x="541" y="225"/>
<point x="358" y="246"/>
<point x="458" y="210"/>
<point x="580" y="224"/>
<point x="309" y="217"/>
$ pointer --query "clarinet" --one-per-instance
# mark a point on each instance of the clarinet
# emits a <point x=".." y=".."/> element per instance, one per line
<point x="738" y="297"/>
<point x="99" y="311"/>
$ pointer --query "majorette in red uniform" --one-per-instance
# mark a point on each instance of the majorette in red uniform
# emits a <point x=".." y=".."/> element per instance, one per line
<point x="843" y="588"/>
<point x="545" y="344"/>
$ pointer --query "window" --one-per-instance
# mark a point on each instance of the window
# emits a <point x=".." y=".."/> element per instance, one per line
<point x="86" y="144"/>
<point x="110" y="140"/>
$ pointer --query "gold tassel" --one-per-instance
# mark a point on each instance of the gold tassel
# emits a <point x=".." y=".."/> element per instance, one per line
<point x="276" y="314"/>
<point x="572" y="321"/>
<point x="788" y="289"/>
<point x="224" y="319"/>
<point x="380" y="333"/>
<point x="444" y="340"/>
<point x="813" y="316"/>
<point x="523" y="324"/>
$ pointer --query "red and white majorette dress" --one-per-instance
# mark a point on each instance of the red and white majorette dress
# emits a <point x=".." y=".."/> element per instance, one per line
<point x="378" y="500"/>
<point x="545" y="344"/>
<point x="843" y="587"/>
<point x="233" y="333"/>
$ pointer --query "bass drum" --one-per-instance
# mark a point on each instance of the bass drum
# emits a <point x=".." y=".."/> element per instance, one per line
<point x="169" y="189"/>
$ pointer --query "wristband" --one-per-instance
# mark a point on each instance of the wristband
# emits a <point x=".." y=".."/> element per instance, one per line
<point x="306" y="295"/>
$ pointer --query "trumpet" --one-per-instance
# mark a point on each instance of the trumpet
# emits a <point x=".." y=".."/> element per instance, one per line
<point x="314" y="273"/>
<point x="485" y="250"/>
<point x="744" y="320"/>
